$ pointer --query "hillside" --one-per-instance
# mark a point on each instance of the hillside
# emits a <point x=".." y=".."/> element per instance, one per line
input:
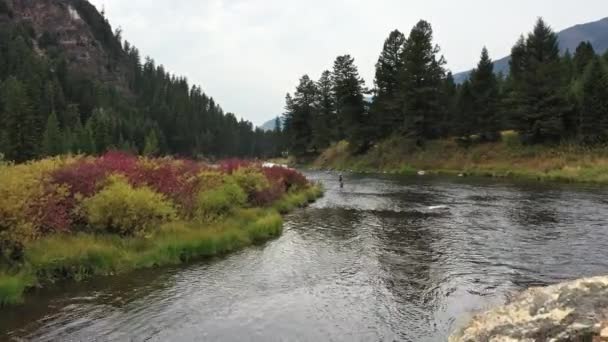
<point x="71" y="84"/>
<point x="595" y="32"/>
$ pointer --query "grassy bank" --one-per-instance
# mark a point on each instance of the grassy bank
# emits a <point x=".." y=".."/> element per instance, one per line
<point x="226" y="209"/>
<point x="507" y="158"/>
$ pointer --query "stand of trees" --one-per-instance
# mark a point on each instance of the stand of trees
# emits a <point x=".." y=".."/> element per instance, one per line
<point x="546" y="98"/>
<point x="48" y="108"/>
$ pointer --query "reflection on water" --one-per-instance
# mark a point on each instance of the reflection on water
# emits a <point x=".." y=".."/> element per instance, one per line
<point x="384" y="258"/>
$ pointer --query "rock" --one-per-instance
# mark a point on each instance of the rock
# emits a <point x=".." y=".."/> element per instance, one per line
<point x="574" y="311"/>
<point x="421" y="173"/>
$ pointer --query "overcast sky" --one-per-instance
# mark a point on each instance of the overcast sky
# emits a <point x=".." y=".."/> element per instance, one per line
<point x="248" y="53"/>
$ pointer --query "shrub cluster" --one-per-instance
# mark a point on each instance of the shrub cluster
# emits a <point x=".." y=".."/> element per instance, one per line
<point x="127" y="195"/>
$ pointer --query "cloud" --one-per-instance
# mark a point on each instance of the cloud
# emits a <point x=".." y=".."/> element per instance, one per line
<point x="249" y="53"/>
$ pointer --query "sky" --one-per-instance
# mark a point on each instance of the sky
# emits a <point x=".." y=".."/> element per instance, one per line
<point x="248" y="54"/>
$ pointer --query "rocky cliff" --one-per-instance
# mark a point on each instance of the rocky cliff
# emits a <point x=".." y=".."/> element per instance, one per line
<point x="75" y="29"/>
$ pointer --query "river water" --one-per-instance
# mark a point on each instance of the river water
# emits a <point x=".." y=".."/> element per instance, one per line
<point x="383" y="259"/>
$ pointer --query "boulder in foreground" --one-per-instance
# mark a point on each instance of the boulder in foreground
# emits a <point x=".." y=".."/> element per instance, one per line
<point x="574" y="311"/>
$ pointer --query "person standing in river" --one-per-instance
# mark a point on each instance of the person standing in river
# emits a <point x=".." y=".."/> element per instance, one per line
<point x="341" y="181"/>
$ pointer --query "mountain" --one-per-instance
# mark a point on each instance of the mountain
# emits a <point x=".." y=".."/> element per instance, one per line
<point x="595" y="32"/>
<point x="269" y="125"/>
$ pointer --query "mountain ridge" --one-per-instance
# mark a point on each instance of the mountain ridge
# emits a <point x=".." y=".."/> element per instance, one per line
<point x="595" y="32"/>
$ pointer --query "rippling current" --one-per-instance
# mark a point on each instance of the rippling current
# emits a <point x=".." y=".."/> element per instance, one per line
<point x="383" y="259"/>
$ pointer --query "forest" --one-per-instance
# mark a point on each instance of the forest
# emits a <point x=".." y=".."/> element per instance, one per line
<point x="546" y="98"/>
<point x="48" y="107"/>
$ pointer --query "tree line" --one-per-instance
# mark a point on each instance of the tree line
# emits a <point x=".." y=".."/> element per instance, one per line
<point x="546" y="97"/>
<point x="49" y="108"/>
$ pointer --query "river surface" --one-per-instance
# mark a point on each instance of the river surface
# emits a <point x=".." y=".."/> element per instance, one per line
<point x="383" y="259"/>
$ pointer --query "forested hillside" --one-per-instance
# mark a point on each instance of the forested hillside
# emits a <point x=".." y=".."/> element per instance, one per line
<point x="546" y="98"/>
<point x="69" y="83"/>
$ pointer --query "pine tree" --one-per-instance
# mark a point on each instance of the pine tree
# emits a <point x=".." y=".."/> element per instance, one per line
<point x="484" y="88"/>
<point x="300" y="111"/>
<point x="387" y="105"/>
<point x="584" y="55"/>
<point x="567" y="66"/>
<point x="52" y="141"/>
<point x="21" y="128"/>
<point x="421" y="81"/>
<point x="594" y="104"/>
<point x="539" y="89"/>
<point x="519" y="59"/>
<point x="348" y="89"/>
<point x="450" y="104"/>
<point x="324" y="119"/>
<point x="277" y="125"/>
<point x="465" y="122"/>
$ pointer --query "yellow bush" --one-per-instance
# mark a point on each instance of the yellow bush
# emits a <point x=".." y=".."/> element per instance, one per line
<point x="120" y="208"/>
<point x="251" y="180"/>
<point x="20" y="186"/>
<point x="220" y="200"/>
<point x="209" y="180"/>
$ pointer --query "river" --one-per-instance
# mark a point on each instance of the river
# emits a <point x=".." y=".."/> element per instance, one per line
<point x="384" y="259"/>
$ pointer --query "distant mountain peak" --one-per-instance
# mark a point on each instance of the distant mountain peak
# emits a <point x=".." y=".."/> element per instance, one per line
<point x="595" y="32"/>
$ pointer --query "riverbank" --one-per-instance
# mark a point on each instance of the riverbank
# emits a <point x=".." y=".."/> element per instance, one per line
<point x="507" y="158"/>
<point x="75" y="218"/>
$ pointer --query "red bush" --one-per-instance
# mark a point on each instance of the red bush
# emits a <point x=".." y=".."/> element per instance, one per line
<point x="83" y="177"/>
<point x="268" y="195"/>
<point x="288" y="178"/>
<point x="230" y="165"/>
<point x="52" y="212"/>
<point x="177" y="180"/>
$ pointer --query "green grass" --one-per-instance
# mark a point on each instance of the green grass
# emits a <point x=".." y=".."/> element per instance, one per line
<point x="508" y="158"/>
<point x="297" y="199"/>
<point x="82" y="256"/>
<point x="11" y="289"/>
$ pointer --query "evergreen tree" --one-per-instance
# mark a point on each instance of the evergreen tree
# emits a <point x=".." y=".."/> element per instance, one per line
<point x="540" y="92"/>
<point x="450" y="104"/>
<point x="52" y="141"/>
<point x="519" y="59"/>
<point x="324" y="120"/>
<point x="594" y="104"/>
<point x="386" y="107"/>
<point x="584" y="55"/>
<point x="421" y="83"/>
<point x="465" y="122"/>
<point x="299" y="116"/>
<point x="484" y="88"/>
<point x="21" y="129"/>
<point x="567" y="66"/>
<point x="348" y="89"/>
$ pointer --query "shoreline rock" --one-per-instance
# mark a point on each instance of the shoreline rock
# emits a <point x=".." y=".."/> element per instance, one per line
<point x="572" y="311"/>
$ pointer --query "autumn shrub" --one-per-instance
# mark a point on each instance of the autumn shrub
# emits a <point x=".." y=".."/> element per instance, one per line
<point x="22" y="187"/>
<point x="85" y="176"/>
<point x="289" y="178"/>
<point x="251" y="180"/>
<point x="52" y="211"/>
<point x="230" y="165"/>
<point x="176" y="179"/>
<point x="216" y="202"/>
<point x="268" y="195"/>
<point x="120" y="208"/>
